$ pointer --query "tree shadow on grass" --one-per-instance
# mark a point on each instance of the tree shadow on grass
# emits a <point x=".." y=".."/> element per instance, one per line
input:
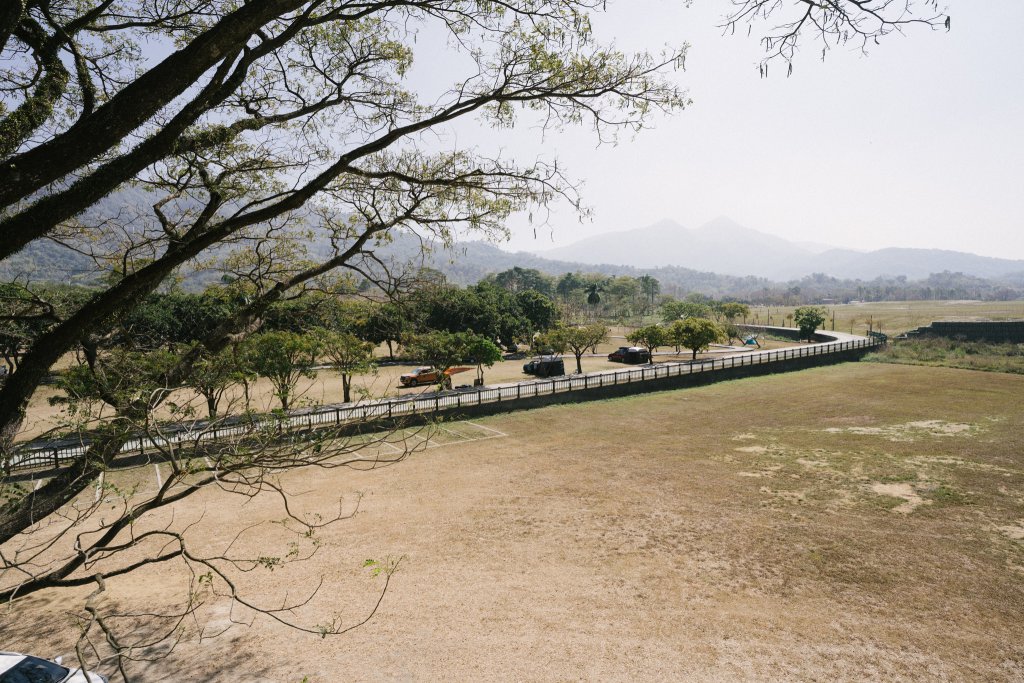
<point x="45" y="625"/>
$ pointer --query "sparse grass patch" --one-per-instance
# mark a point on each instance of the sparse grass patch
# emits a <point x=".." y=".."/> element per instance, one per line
<point x="947" y="495"/>
<point x="967" y="355"/>
<point x="885" y="501"/>
<point x="894" y="317"/>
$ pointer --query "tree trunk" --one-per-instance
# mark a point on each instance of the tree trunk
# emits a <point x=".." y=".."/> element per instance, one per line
<point x="134" y="104"/>
<point x="50" y="497"/>
<point x="211" y="406"/>
<point x="346" y="385"/>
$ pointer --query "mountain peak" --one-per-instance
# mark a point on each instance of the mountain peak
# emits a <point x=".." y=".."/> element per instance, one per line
<point x="722" y="223"/>
<point x="665" y="225"/>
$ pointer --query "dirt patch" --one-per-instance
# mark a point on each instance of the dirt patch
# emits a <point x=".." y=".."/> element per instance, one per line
<point x="1015" y="532"/>
<point x="901" y="490"/>
<point x="789" y="496"/>
<point x="939" y="427"/>
<point x="909" y="431"/>
<point x="807" y="462"/>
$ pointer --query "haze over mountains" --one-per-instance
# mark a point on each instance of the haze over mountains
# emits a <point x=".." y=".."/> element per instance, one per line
<point x="723" y="246"/>
<point x="720" y="258"/>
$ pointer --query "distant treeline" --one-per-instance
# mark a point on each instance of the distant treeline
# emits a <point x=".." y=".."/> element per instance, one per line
<point x="474" y="262"/>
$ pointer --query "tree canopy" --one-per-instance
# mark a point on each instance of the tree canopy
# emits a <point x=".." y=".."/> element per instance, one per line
<point x="808" y="319"/>
<point x="650" y="337"/>
<point x="576" y="339"/>
<point x="696" y="334"/>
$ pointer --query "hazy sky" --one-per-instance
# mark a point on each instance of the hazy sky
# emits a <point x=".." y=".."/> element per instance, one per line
<point x="918" y="144"/>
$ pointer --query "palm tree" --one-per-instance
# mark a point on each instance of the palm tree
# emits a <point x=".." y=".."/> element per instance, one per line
<point x="650" y="287"/>
<point x="593" y="297"/>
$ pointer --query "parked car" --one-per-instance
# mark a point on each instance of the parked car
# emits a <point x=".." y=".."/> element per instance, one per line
<point x="19" y="668"/>
<point x="545" y="366"/>
<point x="629" y="354"/>
<point x="421" y="375"/>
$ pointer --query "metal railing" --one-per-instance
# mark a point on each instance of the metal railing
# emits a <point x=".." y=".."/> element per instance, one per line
<point x="37" y="454"/>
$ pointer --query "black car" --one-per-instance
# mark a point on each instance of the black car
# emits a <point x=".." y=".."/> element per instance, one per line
<point x="630" y="354"/>
<point x="545" y="366"/>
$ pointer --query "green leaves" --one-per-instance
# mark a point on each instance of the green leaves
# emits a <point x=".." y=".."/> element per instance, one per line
<point x="283" y="358"/>
<point x="696" y="334"/>
<point x="650" y="337"/>
<point x="808" y="319"/>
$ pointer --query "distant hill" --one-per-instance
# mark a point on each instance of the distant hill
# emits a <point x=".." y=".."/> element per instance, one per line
<point x="724" y="246"/>
<point x="469" y="262"/>
<point x="721" y="246"/>
<point x="727" y="260"/>
<point x="914" y="264"/>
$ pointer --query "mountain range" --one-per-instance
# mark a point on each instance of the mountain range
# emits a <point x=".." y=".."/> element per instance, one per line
<point x="720" y="258"/>
<point x="723" y="246"/>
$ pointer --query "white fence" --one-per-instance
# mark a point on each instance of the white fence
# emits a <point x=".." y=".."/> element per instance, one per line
<point x="51" y="453"/>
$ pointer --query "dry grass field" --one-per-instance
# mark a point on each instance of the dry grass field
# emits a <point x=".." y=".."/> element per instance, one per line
<point x="894" y="317"/>
<point x="847" y="523"/>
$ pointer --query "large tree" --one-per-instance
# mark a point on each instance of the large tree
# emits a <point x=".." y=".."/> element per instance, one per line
<point x="350" y="356"/>
<point x="809" y="319"/>
<point x="650" y="337"/>
<point x="157" y="136"/>
<point x="283" y="358"/>
<point x="575" y="340"/>
<point x="696" y="334"/>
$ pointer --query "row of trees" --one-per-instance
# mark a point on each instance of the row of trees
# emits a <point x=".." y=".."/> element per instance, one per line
<point x="503" y="317"/>
<point x="699" y="306"/>
<point x="946" y="285"/>
<point x="134" y="382"/>
<point x="586" y="296"/>
<point x="696" y="334"/>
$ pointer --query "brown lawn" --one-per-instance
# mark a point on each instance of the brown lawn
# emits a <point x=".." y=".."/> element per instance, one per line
<point x="856" y="522"/>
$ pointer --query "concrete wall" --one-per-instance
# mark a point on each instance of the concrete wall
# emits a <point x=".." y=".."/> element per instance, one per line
<point x="790" y="333"/>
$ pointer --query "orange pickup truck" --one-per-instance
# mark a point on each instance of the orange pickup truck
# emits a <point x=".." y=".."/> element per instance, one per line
<point x="421" y="375"/>
<point x="428" y="375"/>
